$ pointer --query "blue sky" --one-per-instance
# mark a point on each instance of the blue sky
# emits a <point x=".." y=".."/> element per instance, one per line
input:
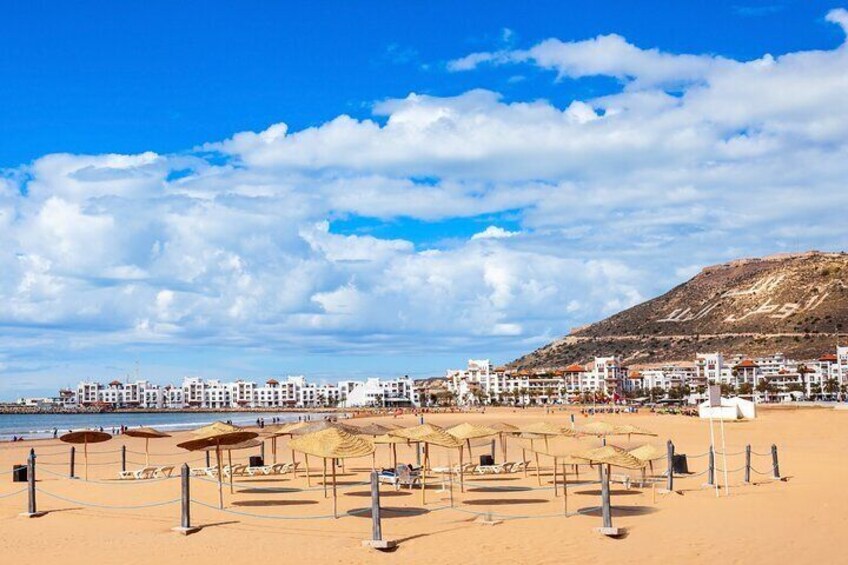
<point x="344" y="188"/>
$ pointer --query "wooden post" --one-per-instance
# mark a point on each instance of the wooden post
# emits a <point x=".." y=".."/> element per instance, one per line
<point x="774" y="465"/>
<point x="524" y="461"/>
<point x="85" y="457"/>
<point x="230" y="463"/>
<point x="493" y="449"/>
<point x="606" y="511"/>
<point x="220" y="463"/>
<point x="670" y="456"/>
<point x="208" y="463"/>
<point x="538" y="470"/>
<point x="305" y="462"/>
<point x="711" y="467"/>
<point x="564" y="491"/>
<point x="450" y="483"/>
<point x="185" y="527"/>
<point x="748" y="463"/>
<point x="335" y="499"/>
<point x="555" y="477"/>
<point x="274" y="449"/>
<point x="324" y="480"/>
<point x="146" y="452"/>
<point x="31" y="483"/>
<point x="123" y="458"/>
<point x="376" y="541"/>
<point x="72" y="462"/>
<point x="262" y="451"/>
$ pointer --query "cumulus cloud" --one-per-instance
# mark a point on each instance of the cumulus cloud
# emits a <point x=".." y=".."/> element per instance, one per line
<point x="696" y="159"/>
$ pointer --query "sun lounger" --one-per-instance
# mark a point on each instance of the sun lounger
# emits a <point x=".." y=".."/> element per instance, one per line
<point x="140" y="474"/>
<point x="404" y="475"/>
<point x="492" y="469"/>
<point x="163" y="472"/>
<point x="274" y="469"/>
<point x="516" y="467"/>
<point x="204" y="471"/>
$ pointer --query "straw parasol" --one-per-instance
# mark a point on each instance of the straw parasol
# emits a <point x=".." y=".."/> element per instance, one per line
<point x="467" y="432"/>
<point x="387" y="439"/>
<point x="542" y="430"/>
<point x="85" y="437"/>
<point x="147" y="434"/>
<point x="610" y="455"/>
<point x="441" y="438"/>
<point x="374" y="430"/>
<point x="416" y="432"/>
<point x="216" y="435"/>
<point x="630" y="429"/>
<point x="332" y="443"/>
<point x="648" y="454"/>
<point x="504" y="430"/>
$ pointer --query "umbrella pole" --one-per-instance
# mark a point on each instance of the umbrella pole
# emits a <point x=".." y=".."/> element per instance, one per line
<point x="538" y="470"/>
<point x="394" y="456"/>
<point x="564" y="491"/>
<point x="424" y="475"/>
<point x="274" y="449"/>
<point x="470" y="457"/>
<point x="147" y="452"/>
<point x="230" y="459"/>
<point x="85" y="454"/>
<point x="218" y="459"/>
<point x="294" y="465"/>
<point x="524" y="461"/>
<point x="325" y="477"/>
<point x="306" y="462"/>
<point x="374" y="460"/>
<point x="461" y="474"/>
<point x="335" y="499"/>
<point x="555" y="477"/>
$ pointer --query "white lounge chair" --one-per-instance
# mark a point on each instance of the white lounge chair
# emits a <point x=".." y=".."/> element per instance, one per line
<point x="163" y="472"/>
<point x="205" y="471"/>
<point x="516" y="467"/>
<point x="492" y="469"/>
<point x="140" y="474"/>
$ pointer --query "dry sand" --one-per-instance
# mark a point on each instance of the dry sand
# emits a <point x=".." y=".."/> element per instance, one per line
<point x="799" y="520"/>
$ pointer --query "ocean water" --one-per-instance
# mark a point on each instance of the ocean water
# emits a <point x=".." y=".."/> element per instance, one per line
<point x="32" y="426"/>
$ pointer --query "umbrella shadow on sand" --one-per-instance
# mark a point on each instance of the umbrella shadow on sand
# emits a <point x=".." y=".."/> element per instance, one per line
<point x="619" y="492"/>
<point x="383" y="494"/>
<point x="257" y="503"/>
<point x="389" y="512"/>
<point x="505" y="501"/>
<point x="619" y="511"/>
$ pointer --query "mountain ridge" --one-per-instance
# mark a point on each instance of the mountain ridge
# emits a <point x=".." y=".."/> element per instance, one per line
<point x="794" y="303"/>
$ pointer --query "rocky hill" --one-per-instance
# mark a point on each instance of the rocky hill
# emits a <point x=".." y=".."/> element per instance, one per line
<point x="796" y="304"/>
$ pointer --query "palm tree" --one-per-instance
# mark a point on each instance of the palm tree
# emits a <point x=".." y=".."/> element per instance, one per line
<point x="802" y="371"/>
<point x="831" y="386"/>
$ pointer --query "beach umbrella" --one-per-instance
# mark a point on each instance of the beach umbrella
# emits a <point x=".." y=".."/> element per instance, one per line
<point x="441" y="438"/>
<point x="504" y="430"/>
<point x="217" y="435"/>
<point x="391" y="441"/>
<point x="648" y="454"/>
<point x="280" y="430"/>
<point x="85" y="437"/>
<point x="468" y="432"/>
<point x="630" y="429"/>
<point x="543" y="430"/>
<point x="416" y="432"/>
<point x="333" y="443"/>
<point x="609" y="455"/>
<point x="374" y="430"/>
<point x="147" y="434"/>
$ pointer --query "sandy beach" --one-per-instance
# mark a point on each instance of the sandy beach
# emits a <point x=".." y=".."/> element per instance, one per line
<point x="103" y="520"/>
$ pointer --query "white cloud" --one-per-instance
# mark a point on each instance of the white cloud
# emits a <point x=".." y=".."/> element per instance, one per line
<point x="494" y="232"/>
<point x="617" y="197"/>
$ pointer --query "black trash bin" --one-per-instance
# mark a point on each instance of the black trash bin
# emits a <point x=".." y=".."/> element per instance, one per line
<point x="487" y="460"/>
<point x="19" y="473"/>
<point x="256" y="461"/>
<point x="679" y="465"/>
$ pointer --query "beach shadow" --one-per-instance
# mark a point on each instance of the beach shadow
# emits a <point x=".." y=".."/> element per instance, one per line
<point x="214" y="524"/>
<point x="499" y="489"/>
<point x="619" y="511"/>
<point x="383" y="493"/>
<point x="389" y="512"/>
<point x="259" y="503"/>
<point x="329" y="483"/>
<point x="477" y="479"/>
<point x="268" y="490"/>
<point x="612" y="492"/>
<point x="504" y="501"/>
<point x="55" y="510"/>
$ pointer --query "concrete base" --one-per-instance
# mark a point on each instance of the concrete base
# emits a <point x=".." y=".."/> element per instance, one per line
<point x="379" y="543"/>
<point x="666" y="491"/>
<point x="487" y="521"/>
<point x="185" y="531"/>
<point x="32" y="514"/>
<point x="610" y="532"/>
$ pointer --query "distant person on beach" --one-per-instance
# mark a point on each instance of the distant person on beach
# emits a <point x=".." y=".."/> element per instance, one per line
<point x="55" y="433"/>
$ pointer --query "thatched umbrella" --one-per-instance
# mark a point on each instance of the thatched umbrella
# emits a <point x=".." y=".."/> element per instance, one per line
<point x="468" y="432"/>
<point x="280" y="430"/>
<point x="648" y="454"/>
<point x="374" y="430"/>
<point x="609" y="455"/>
<point x="85" y="437"/>
<point x="542" y="430"/>
<point x="392" y="441"/>
<point x="630" y="429"/>
<point x="334" y="444"/>
<point x="443" y="439"/>
<point x="504" y="430"/>
<point x="216" y="435"/>
<point x="147" y="434"/>
<point x="604" y="429"/>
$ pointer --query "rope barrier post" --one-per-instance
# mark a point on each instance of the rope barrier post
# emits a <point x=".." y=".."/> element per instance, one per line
<point x="262" y="451"/>
<point x="208" y="463"/>
<point x="32" y="510"/>
<point x="377" y="541"/>
<point x="670" y="457"/>
<point x="606" y="511"/>
<point x="185" y="528"/>
<point x="123" y="458"/>
<point x="748" y="463"/>
<point x="71" y="464"/>
<point x="493" y="450"/>
<point x="774" y="465"/>
<point x="711" y="468"/>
